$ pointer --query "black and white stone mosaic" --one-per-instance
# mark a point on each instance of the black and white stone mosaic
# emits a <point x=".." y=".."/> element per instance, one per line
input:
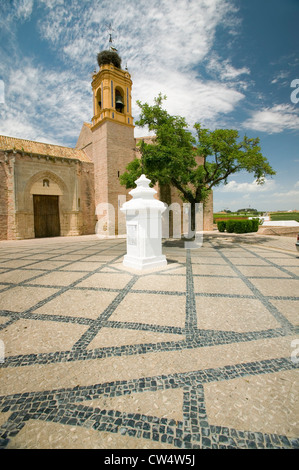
<point x="69" y="406"/>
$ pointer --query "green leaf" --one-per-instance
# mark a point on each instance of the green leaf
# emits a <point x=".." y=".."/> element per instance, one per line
<point x="194" y="165"/>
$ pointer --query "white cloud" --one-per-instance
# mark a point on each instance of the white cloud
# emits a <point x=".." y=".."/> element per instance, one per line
<point x="280" y="76"/>
<point x="41" y="102"/>
<point x="203" y="103"/>
<point x="16" y="10"/>
<point x="162" y="42"/>
<point x="253" y="187"/>
<point x="290" y="193"/>
<point x="2" y="93"/>
<point x="273" y="195"/>
<point x="274" y="120"/>
<point x="224" y="68"/>
<point x="178" y="33"/>
<point x="23" y="8"/>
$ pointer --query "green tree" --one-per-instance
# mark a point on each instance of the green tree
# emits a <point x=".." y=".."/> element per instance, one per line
<point x="194" y="164"/>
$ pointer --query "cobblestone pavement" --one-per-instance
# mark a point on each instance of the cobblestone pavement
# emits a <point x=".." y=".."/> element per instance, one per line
<point x="200" y="354"/>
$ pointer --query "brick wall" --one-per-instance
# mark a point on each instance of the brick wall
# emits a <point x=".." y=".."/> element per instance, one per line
<point x="87" y="200"/>
<point x="84" y="141"/>
<point x="3" y="197"/>
<point x="22" y="175"/>
<point x="7" y="196"/>
<point x="113" y="149"/>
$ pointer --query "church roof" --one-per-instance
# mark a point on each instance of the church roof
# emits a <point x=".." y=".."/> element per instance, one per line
<point x="40" y="148"/>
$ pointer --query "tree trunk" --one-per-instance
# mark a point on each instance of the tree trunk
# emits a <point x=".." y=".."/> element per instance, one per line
<point x="193" y="221"/>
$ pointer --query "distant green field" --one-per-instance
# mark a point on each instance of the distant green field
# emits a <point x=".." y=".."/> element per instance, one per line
<point x="244" y="215"/>
<point x="284" y="216"/>
<point x="233" y="215"/>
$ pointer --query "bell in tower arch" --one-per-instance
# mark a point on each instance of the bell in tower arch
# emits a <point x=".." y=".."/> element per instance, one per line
<point x="119" y="102"/>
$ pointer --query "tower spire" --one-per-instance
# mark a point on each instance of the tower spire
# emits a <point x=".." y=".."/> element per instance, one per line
<point x="112" y="48"/>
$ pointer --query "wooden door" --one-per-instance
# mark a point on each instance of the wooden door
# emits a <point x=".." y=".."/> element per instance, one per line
<point x="46" y="216"/>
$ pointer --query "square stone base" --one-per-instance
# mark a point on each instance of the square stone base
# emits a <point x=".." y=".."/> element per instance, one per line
<point x="144" y="263"/>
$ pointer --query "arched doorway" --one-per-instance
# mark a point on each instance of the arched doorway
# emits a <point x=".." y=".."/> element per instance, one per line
<point x="46" y="191"/>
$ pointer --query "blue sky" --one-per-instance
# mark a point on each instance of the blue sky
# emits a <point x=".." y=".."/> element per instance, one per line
<point x="223" y="63"/>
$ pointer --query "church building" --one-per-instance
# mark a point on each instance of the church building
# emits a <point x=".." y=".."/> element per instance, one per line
<point x="50" y="190"/>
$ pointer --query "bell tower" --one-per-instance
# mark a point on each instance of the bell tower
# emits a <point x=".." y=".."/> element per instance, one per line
<point x="112" y="143"/>
<point x="111" y="91"/>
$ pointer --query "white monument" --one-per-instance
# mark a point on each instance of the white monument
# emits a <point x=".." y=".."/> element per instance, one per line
<point x="144" y="227"/>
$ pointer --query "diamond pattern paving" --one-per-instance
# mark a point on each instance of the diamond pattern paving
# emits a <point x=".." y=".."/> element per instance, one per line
<point x="198" y="354"/>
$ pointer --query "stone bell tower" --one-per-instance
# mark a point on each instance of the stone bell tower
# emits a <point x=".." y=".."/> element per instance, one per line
<point x="109" y="139"/>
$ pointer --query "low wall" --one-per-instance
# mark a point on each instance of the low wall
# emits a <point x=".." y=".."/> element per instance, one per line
<point x="279" y="230"/>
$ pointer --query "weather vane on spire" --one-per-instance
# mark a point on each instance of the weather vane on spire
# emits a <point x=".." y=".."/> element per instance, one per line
<point x="109" y="56"/>
<point x="111" y="46"/>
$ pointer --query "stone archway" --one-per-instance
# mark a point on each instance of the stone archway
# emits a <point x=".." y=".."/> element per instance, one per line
<point x="46" y="200"/>
<point x="45" y="182"/>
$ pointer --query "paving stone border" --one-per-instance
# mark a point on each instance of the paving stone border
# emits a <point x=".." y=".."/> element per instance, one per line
<point x="65" y="405"/>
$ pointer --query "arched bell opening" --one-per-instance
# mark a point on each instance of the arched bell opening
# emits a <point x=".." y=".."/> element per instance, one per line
<point x="99" y="100"/>
<point x="119" y="100"/>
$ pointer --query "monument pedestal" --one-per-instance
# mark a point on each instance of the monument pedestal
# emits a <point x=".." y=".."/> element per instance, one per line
<point x="144" y="228"/>
<point x="142" y="263"/>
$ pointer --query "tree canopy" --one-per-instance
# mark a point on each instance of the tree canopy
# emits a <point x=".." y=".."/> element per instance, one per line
<point x="194" y="163"/>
